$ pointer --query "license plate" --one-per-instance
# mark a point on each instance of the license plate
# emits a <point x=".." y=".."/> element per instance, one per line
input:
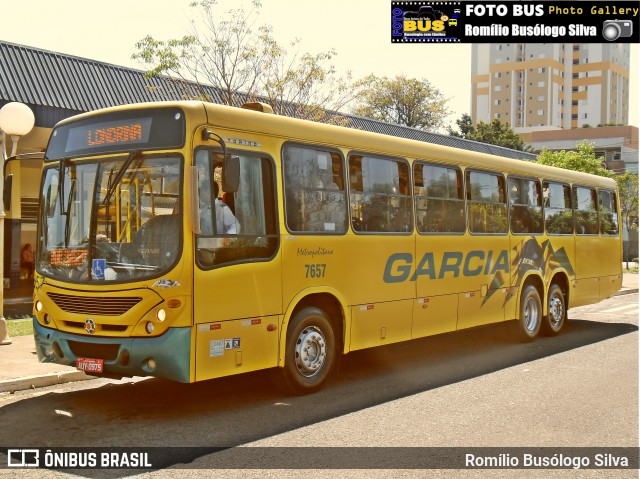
<point x="89" y="365"/>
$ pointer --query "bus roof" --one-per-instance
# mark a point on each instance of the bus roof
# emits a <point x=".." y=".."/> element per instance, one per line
<point x="304" y="131"/>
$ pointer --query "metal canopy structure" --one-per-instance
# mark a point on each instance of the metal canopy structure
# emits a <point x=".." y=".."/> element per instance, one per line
<point x="57" y="86"/>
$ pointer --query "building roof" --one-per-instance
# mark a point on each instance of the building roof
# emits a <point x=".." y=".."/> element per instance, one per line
<point x="58" y="86"/>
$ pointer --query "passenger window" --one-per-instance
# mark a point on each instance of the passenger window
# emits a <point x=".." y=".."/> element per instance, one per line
<point x="486" y="203"/>
<point x="315" y="197"/>
<point x="240" y="226"/>
<point x="380" y="196"/>
<point x="608" y="213"/>
<point x="439" y="199"/>
<point x="525" y="206"/>
<point x="586" y="215"/>
<point x="557" y="208"/>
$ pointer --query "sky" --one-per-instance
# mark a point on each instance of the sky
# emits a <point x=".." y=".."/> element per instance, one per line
<point x="358" y="30"/>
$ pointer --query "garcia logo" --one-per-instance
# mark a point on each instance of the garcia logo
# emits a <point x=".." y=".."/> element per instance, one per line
<point x="475" y="263"/>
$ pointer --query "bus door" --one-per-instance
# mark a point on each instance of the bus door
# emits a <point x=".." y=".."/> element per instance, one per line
<point x="590" y="257"/>
<point x="440" y="221"/>
<point x="380" y="286"/>
<point x="611" y="243"/>
<point x="237" y="276"/>
<point x="479" y="262"/>
<point x="530" y="252"/>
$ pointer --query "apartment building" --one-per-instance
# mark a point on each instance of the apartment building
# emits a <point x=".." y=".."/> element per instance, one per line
<point x="549" y="86"/>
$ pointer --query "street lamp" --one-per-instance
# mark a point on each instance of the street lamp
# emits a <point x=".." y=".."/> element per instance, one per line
<point x="16" y="120"/>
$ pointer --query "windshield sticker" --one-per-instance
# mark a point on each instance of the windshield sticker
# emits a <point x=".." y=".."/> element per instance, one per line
<point x="98" y="268"/>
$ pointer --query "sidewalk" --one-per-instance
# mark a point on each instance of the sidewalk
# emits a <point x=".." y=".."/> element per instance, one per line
<point x="20" y="369"/>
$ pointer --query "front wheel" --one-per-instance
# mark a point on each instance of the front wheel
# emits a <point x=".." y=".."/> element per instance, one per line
<point x="557" y="316"/>
<point x="310" y="351"/>
<point x="530" y="313"/>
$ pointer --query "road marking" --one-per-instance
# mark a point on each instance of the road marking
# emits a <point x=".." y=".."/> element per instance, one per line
<point x="620" y="308"/>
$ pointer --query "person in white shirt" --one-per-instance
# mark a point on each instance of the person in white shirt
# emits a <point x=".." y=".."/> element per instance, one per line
<point x="226" y="222"/>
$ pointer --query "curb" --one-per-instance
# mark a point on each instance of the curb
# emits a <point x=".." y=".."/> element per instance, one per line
<point x="622" y="292"/>
<point x="42" y="380"/>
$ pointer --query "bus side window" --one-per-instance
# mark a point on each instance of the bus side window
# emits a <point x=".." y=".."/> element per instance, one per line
<point x="487" y="205"/>
<point x="439" y="199"/>
<point x="249" y="231"/>
<point x="608" y="213"/>
<point x="586" y="210"/>
<point x="558" y="213"/>
<point x="525" y="206"/>
<point x="315" y="196"/>
<point x="380" y="195"/>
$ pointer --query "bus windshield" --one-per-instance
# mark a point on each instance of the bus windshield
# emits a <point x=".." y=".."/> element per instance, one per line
<point x="110" y="220"/>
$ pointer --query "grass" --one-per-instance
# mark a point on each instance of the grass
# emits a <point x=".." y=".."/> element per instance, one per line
<point x="633" y="267"/>
<point x="20" y="327"/>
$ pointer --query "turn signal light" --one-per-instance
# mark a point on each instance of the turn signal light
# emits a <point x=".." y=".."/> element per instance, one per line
<point x="174" y="303"/>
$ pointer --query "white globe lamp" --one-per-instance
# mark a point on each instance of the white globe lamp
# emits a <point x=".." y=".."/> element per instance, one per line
<point x="16" y="120"/>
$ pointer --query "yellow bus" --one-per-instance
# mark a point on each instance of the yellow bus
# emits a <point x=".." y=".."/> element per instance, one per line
<point x="191" y="241"/>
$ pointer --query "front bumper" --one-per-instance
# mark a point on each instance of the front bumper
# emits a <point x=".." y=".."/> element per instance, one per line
<point x="167" y="356"/>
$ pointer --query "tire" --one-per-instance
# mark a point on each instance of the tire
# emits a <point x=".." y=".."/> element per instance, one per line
<point x="553" y="323"/>
<point x="530" y="314"/>
<point x="310" y="353"/>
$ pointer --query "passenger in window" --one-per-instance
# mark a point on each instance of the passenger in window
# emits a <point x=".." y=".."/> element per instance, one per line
<point x="226" y="222"/>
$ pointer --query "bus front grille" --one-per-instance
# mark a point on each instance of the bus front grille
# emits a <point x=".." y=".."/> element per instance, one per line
<point x="114" y="306"/>
<point x="116" y="328"/>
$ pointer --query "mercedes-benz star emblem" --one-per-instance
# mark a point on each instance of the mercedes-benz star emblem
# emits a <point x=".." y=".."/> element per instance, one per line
<point x="90" y="326"/>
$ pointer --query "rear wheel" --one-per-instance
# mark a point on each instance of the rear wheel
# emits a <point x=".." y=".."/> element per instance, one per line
<point x="310" y="351"/>
<point x="530" y="313"/>
<point x="557" y="316"/>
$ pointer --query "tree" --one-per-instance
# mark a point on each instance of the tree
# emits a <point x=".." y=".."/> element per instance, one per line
<point x="465" y="124"/>
<point x="225" y="55"/>
<point x="583" y="159"/>
<point x="404" y="101"/>
<point x="494" y="133"/>
<point x="628" y="190"/>
<point x="303" y="85"/>
<point x="228" y="53"/>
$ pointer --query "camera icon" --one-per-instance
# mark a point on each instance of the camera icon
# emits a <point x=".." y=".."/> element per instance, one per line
<point x="614" y="29"/>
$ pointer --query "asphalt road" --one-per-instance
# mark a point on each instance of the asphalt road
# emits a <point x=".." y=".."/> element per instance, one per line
<point x="471" y="389"/>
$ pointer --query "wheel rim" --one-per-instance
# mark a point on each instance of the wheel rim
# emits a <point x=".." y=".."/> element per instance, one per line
<point x="311" y="351"/>
<point x="556" y="311"/>
<point x="531" y="314"/>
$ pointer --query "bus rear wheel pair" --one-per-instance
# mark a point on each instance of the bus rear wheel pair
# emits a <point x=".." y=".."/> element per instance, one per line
<point x="532" y="321"/>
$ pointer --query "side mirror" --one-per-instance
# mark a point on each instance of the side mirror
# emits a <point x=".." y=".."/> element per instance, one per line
<point x="8" y="184"/>
<point x="231" y="174"/>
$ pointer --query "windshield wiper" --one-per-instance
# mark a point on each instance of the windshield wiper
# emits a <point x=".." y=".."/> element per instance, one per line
<point x="61" y="184"/>
<point x="123" y="169"/>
